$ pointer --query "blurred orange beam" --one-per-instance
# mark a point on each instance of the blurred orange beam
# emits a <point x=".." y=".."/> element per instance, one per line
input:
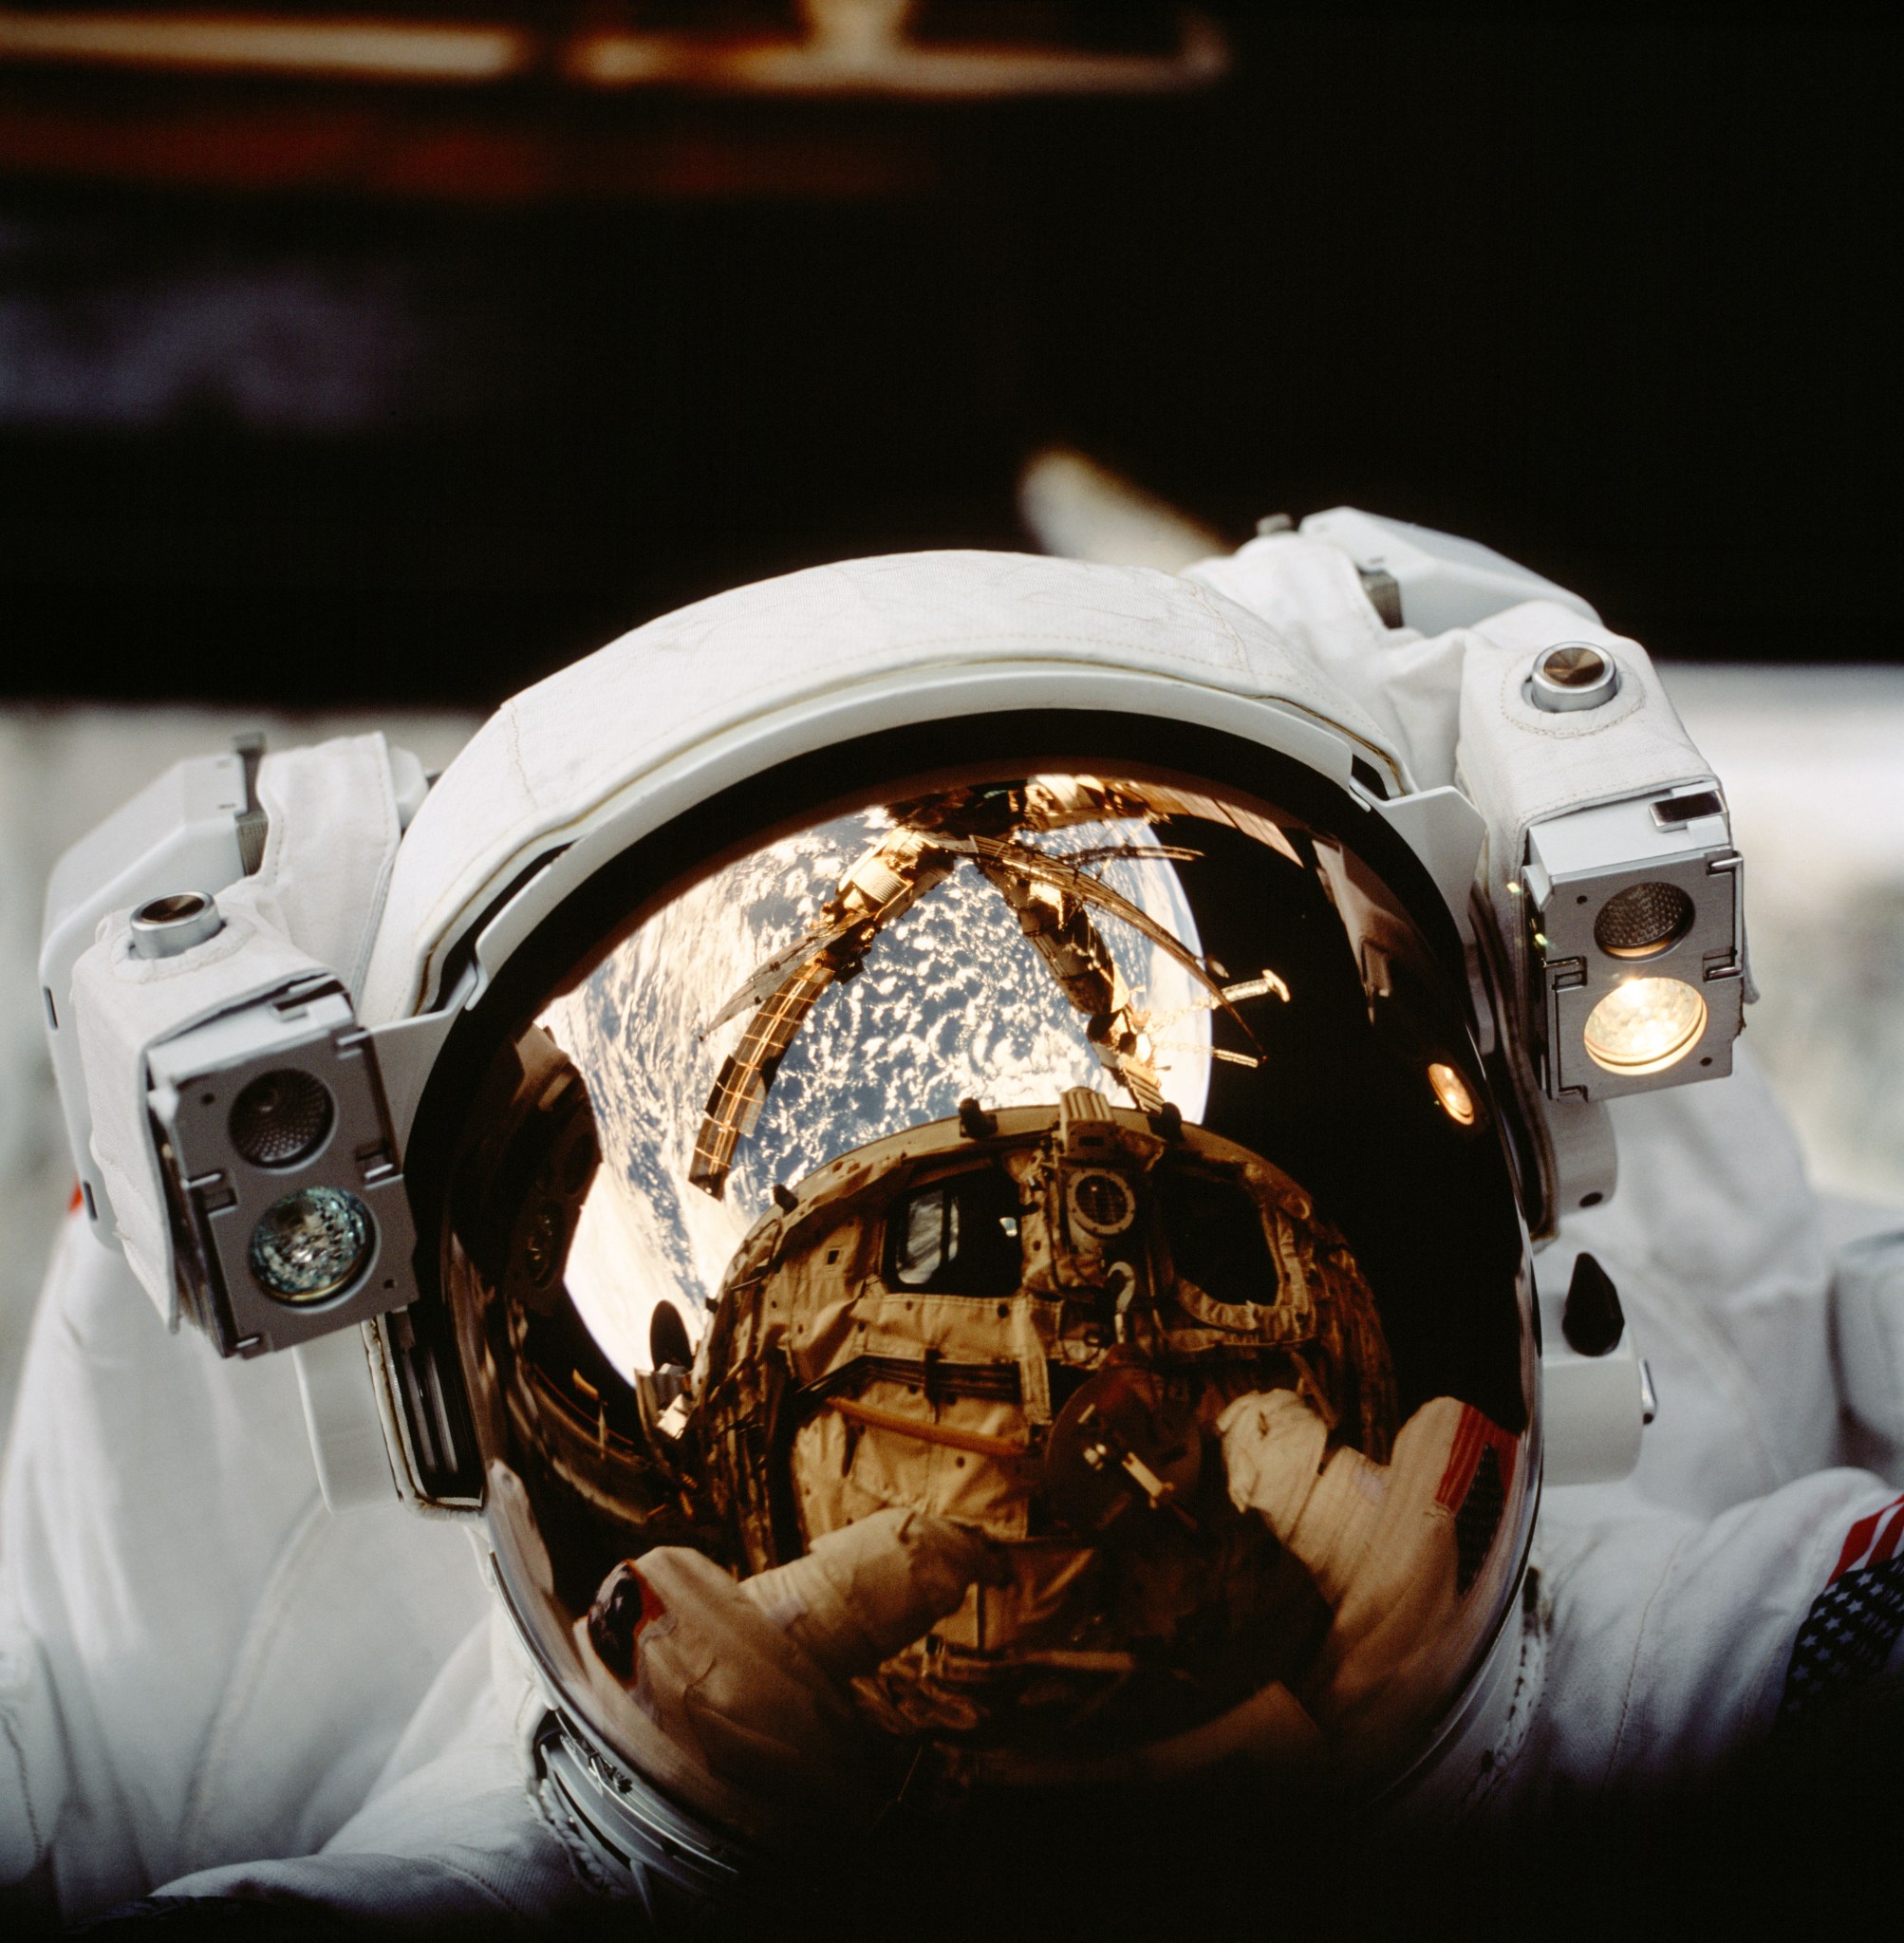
<point x="333" y="50"/>
<point x="851" y="47"/>
<point x="832" y="60"/>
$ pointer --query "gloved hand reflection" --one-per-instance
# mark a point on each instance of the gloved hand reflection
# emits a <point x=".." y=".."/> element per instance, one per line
<point x="748" y="1680"/>
<point x="1394" y="1548"/>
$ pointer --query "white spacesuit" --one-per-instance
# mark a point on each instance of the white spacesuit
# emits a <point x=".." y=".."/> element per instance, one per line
<point x="212" y="1687"/>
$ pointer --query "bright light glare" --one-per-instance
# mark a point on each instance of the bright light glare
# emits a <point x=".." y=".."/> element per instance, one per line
<point x="1645" y="1025"/>
<point x="1451" y="1091"/>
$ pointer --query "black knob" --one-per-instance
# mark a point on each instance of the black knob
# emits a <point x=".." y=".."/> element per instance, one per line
<point x="1592" y="1320"/>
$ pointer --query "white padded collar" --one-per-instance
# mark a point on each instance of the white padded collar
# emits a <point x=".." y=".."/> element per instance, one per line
<point x="561" y="750"/>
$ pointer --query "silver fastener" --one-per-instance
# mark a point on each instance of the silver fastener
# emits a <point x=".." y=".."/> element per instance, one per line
<point x="168" y="925"/>
<point x="1575" y="675"/>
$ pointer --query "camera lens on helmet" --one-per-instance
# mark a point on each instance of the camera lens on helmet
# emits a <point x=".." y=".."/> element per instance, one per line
<point x="311" y="1244"/>
<point x="1643" y="920"/>
<point x="281" y="1118"/>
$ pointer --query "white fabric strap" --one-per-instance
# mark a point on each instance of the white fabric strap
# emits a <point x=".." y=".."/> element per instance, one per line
<point x="564" y="748"/>
<point x="332" y="841"/>
<point x="35" y="1777"/>
<point x="1310" y="591"/>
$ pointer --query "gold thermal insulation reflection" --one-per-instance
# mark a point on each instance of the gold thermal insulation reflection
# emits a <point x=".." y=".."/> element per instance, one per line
<point x="1645" y="1025"/>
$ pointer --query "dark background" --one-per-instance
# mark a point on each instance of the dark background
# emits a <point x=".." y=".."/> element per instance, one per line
<point x="313" y="395"/>
<point x="1612" y="297"/>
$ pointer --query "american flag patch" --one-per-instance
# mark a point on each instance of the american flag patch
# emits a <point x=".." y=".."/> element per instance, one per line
<point x="1854" y="1624"/>
<point x="1474" y="1486"/>
<point x="626" y="1605"/>
<point x="1473" y="1435"/>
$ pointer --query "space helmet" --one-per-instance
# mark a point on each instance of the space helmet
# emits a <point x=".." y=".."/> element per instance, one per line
<point x="973" y="1042"/>
<point x="1075" y="1055"/>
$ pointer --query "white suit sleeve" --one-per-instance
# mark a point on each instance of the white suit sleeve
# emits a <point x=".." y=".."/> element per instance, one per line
<point x="449" y="1836"/>
<point x="1675" y="1642"/>
<point x="1723" y="1270"/>
<point x="1868" y="1339"/>
<point x="197" y="1661"/>
<point x="1710" y="1596"/>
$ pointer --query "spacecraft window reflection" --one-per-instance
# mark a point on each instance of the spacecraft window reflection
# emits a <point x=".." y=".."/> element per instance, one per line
<point x="958" y="1237"/>
<point x="1216" y="1238"/>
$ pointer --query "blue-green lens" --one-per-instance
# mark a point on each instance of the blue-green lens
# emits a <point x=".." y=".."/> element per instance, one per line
<point x="310" y="1243"/>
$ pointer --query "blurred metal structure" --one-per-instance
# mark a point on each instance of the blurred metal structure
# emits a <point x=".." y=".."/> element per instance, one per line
<point x="829" y="47"/>
<point x="898" y="47"/>
<point x="467" y="101"/>
<point x="442" y="52"/>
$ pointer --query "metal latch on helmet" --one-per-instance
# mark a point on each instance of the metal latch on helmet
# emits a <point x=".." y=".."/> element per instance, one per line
<point x="1597" y="1394"/>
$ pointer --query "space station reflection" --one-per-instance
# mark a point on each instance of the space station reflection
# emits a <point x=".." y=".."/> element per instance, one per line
<point x="1067" y="1156"/>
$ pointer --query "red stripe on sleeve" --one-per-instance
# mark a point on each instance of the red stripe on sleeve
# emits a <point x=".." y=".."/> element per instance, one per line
<point x="1859" y="1540"/>
<point x="1474" y="1434"/>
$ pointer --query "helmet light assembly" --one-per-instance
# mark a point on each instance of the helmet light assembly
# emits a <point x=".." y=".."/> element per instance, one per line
<point x="289" y="1212"/>
<point x="1636" y="943"/>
